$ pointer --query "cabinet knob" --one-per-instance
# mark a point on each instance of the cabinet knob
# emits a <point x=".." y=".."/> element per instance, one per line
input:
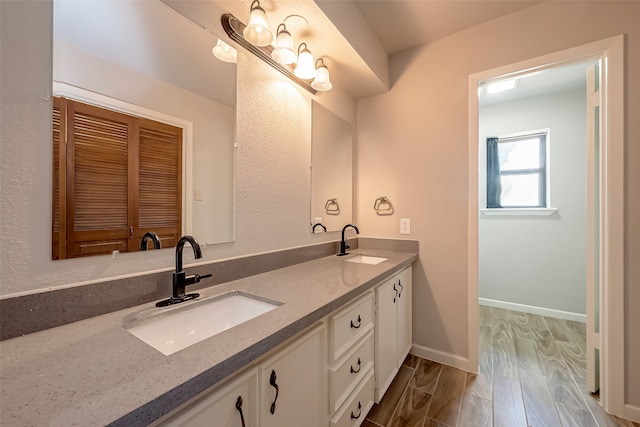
<point x="401" y="288"/>
<point x="395" y="295"/>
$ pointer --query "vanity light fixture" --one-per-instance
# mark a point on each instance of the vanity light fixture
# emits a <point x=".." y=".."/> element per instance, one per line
<point x="224" y="52"/>
<point x="322" y="82"/>
<point x="305" y="68"/>
<point x="235" y="30"/>
<point x="257" y="31"/>
<point x="283" y="52"/>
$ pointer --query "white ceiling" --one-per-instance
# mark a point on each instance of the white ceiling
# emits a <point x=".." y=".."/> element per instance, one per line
<point x="558" y="79"/>
<point x="403" y="24"/>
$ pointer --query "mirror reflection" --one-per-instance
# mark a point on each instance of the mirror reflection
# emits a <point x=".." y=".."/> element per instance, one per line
<point x="144" y="129"/>
<point x="331" y="169"/>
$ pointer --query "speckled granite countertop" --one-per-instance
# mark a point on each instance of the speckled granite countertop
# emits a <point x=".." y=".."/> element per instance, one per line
<point x="94" y="372"/>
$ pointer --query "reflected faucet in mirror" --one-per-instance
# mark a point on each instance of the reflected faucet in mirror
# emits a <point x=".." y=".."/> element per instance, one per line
<point x="153" y="236"/>
<point x="180" y="278"/>
<point x="318" y="224"/>
<point x="343" y="241"/>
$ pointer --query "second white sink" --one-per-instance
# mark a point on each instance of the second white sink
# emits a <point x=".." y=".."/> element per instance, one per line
<point x="364" y="259"/>
<point x="184" y="326"/>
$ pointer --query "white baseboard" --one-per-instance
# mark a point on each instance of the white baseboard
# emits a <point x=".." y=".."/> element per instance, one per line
<point x="632" y="413"/>
<point x="549" y="312"/>
<point x="442" y="357"/>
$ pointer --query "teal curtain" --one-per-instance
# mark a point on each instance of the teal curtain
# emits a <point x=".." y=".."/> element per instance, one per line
<point x="494" y="187"/>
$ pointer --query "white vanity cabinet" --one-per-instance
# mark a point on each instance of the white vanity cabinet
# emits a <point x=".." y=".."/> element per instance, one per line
<point x="329" y="375"/>
<point x="232" y="405"/>
<point x="293" y="390"/>
<point x="393" y="333"/>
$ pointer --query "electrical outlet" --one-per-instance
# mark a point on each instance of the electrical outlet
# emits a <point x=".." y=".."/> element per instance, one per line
<point x="405" y="226"/>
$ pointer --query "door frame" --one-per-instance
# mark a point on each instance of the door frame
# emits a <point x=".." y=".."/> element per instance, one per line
<point x="612" y="355"/>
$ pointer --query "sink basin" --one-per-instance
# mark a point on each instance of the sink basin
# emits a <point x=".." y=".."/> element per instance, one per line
<point x="184" y="326"/>
<point x="364" y="259"/>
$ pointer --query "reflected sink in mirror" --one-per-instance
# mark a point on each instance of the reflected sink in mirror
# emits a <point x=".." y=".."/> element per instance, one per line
<point x="181" y="327"/>
<point x="364" y="259"/>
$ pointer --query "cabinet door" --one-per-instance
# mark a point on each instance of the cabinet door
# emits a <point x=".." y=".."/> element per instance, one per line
<point x="293" y="390"/>
<point x="385" y="334"/>
<point x="404" y="325"/>
<point x="221" y="407"/>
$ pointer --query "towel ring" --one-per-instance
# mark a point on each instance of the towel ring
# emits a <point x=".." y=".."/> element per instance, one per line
<point x="332" y="207"/>
<point x="383" y="206"/>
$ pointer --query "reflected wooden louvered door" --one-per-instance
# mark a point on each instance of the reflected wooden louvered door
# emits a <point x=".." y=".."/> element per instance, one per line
<point x="100" y="149"/>
<point x="159" y="181"/>
<point x="58" y="225"/>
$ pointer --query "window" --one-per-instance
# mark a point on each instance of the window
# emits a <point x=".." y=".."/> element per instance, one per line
<point x="517" y="171"/>
<point x="115" y="178"/>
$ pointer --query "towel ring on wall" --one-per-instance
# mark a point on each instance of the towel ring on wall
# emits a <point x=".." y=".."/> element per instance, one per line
<point x="383" y="206"/>
<point x="332" y="207"/>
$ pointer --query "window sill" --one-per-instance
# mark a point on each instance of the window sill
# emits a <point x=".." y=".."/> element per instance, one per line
<point x="519" y="211"/>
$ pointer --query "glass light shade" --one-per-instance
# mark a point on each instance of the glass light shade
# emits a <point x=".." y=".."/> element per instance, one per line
<point x="257" y="31"/>
<point x="305" y="68"/>
<point x="224" y="52"/>
<point x="283" y="52"/>
<point x="322" y="82"/>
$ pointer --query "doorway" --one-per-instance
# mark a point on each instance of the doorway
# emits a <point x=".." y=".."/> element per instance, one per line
<point x="610" y="182"/>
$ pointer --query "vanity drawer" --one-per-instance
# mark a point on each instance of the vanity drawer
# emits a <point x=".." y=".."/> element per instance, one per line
<point x="350" y="324"/>
<point x="358" y="406"/>
<point x="346" y="375"/>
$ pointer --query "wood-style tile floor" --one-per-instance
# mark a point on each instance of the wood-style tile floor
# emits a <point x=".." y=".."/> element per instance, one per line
<point x="532" y="373"/>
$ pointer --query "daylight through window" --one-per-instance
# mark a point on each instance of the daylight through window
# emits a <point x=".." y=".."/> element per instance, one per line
<point x="518" y="178"/>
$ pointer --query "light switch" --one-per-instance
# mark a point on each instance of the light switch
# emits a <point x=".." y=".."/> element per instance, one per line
<point x="405" y="226"/>
<point x="198" y="195"/>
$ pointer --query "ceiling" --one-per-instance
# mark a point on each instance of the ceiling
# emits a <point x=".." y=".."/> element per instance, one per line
<point x="552" y="80"/>
<point x="404" y="24"/>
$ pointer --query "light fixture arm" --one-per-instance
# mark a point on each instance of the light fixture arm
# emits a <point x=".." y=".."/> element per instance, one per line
<point x="234" y="27"/>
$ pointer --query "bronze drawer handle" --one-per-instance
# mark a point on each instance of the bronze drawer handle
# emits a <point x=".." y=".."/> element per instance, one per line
<point x="355" y="417"/>
<point x="353" y="371"/>
<point x="272" y="381"/>
<point x="354" y="326"/>
<point x="239" y="408"/>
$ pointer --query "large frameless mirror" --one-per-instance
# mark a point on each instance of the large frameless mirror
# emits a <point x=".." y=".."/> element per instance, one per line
<point x="331" y="169"/>
<point x="144" y="129"/>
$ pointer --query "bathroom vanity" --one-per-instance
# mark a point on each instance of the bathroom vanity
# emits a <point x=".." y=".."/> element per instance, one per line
<point x="319" y="347"/>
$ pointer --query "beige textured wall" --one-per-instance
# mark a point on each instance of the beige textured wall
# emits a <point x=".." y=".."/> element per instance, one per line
<point x="413" y="148"/>
<point x="274" y="151"/>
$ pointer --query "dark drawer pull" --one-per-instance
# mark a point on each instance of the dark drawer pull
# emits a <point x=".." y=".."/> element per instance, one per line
<point x="401" y="288"/>
<point x="353" y="371"/>
<point x="354" y="326"/>
<point x="355" y="417"/>
<point x="272" y="381"/>
<point x="239" y="408"/>
<point x="395" y="290"/>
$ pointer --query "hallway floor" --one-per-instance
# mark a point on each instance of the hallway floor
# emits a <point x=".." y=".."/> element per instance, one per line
<point x="532" y="373"/>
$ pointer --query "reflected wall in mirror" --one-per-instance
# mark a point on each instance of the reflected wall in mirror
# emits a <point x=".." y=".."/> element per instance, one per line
<point x="142" y="59"/>
<point x="331" y="169"/>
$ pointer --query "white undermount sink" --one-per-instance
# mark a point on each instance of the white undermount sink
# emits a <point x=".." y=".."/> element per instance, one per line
<point x="184" y="326"/>
<point x="364" y="259"/>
